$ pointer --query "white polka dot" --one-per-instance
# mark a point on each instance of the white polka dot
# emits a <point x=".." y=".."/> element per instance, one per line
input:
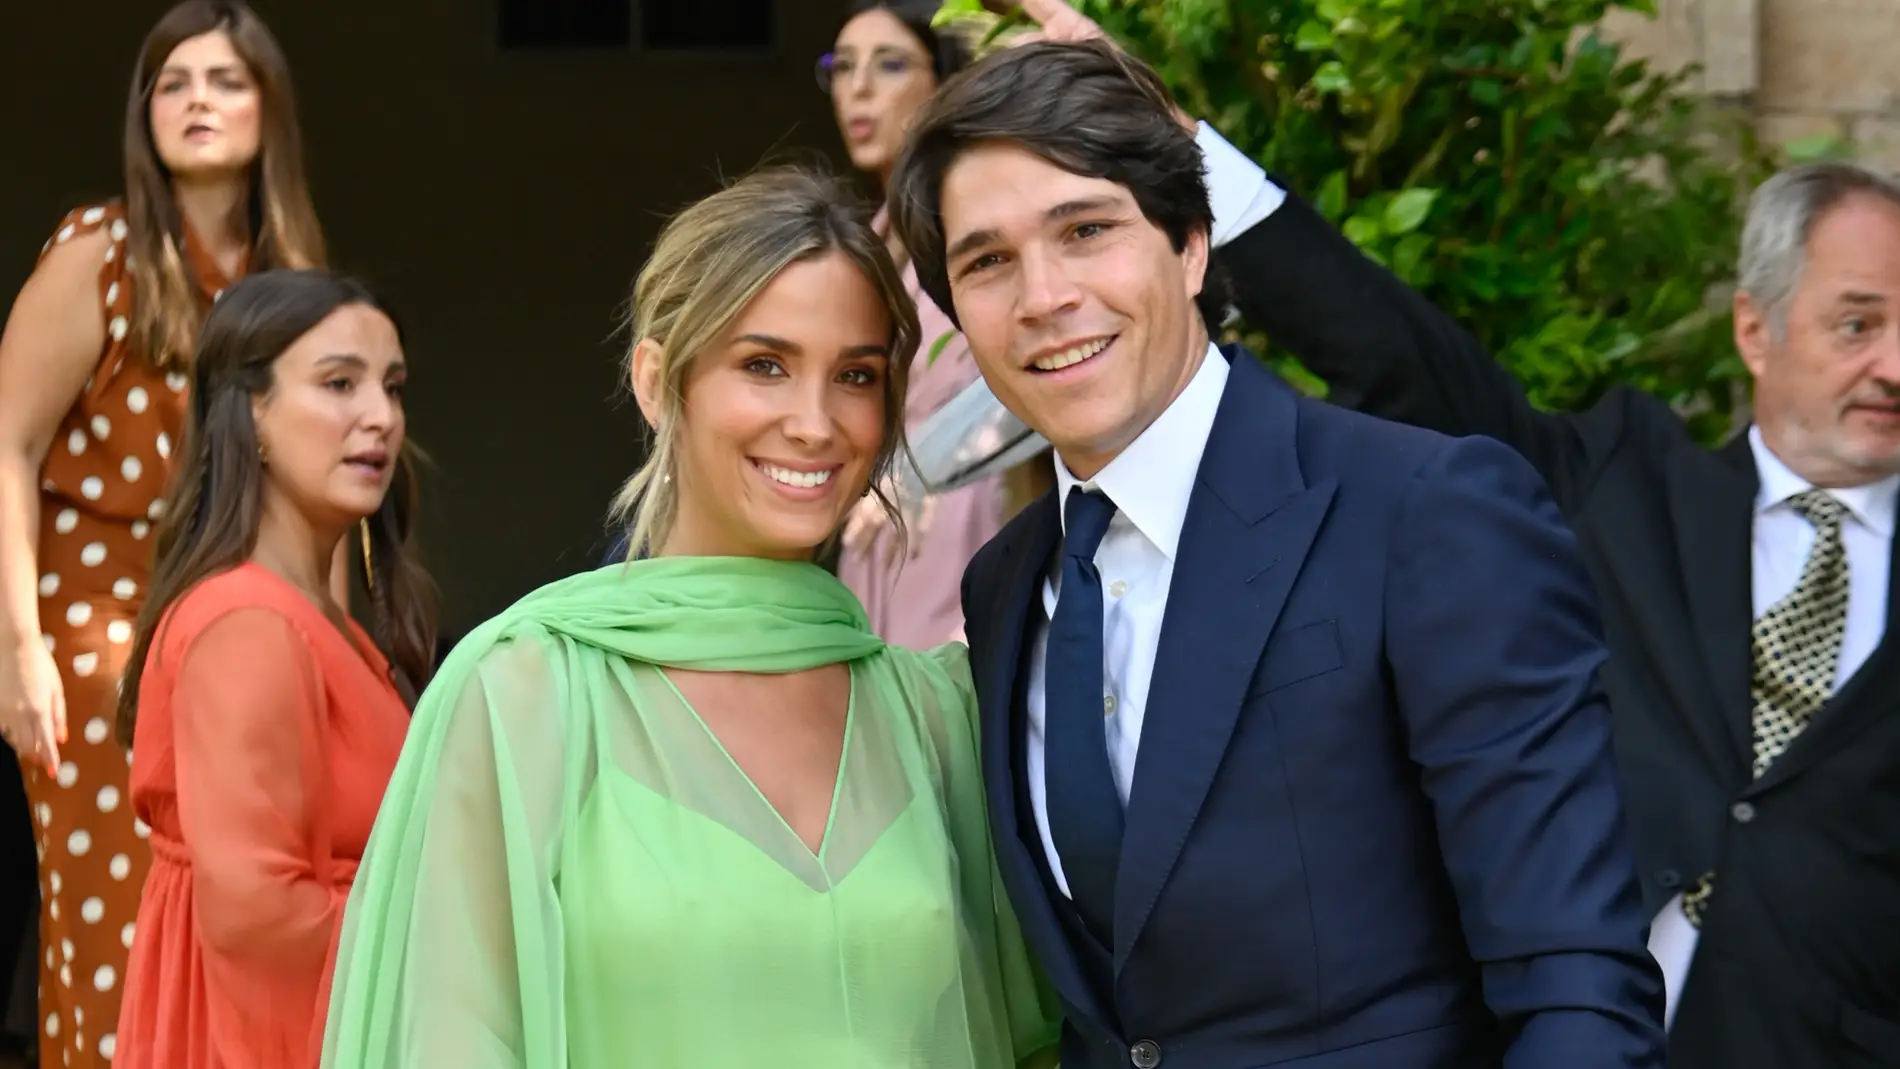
<point x="49" y="585"/>
<point x="124" y="589"/>
<point x="164" y="446"/>
<point x="93" y="215"/>
<point x="96" y="730"/>
<point x="108" y="798"/>
<point x="66" y="521"/>
<point x="52" y="909"/>
<point x="52" y="1019"/>
<point x="118" y="230"/>
<point x="157" y="509"/>
<point x="119" y="632"/>
<point x="79" y="1016"/>
<point x="49" y="642"/>
<point x="137" y="399"/>
<point x="79" y="1039"/>
<point x="49" y="957"/>
<point x="131" y="468"/>
<point x="92" y="488"/>
<point x="79" y="842"/>
<point x="93" y="555"/>
<point x="66" y="232"/>
<point x="91" y="910"/>
<point x="140" y="528"/>
<point x="66" y="975"/>
<point x="66" y="949"/>
<point x="176" y="382"/>
<point x="104" y="978"/>
<point x="120" y="867"/>
<point x="53" y="878"/>
<point x="126" y="933"/>
<point x="112" y="253"/>
<point x="78" y="613"/>
<point x="107" y="1044"/>
<point x="85" y="664"/>
<point x="68" y="774"/>
<point x="76" y="442"/>
<point x="139" y="827"/>
<point x="101" y="428"/>
<point x="46" y="821"/>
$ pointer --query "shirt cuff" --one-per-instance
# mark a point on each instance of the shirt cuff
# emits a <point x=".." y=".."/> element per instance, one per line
<point x="1238" y="190"/>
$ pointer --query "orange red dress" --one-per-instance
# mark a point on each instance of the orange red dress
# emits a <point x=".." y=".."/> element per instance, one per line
<point x="101" y="489"/>
<point x="266" y="738"/>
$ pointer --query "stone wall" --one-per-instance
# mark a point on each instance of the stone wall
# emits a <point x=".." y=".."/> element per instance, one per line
<point x="1801" y="67"/>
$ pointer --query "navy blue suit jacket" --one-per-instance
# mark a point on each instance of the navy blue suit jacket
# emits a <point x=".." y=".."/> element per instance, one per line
<point x="1375" y="820"/>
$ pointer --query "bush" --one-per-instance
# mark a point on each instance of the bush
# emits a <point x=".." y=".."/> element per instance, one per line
<point x="1574" y="209"/>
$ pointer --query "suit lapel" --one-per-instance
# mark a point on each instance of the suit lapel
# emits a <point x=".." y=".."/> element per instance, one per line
<point x="1712" y="507"/>
<point x="1249" y="525"/>
<point x="1026" y="561"/>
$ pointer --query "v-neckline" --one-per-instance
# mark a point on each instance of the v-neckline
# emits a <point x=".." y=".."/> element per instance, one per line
<point x="838" y="782"/>
<point x="349" y="631"/>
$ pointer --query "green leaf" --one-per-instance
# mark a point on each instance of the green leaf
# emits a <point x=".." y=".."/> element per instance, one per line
<point x="952" y="10"/>
<point x="1408" y="210"/>
<point x="1313" y="37"/>
<point x="1330" y="201"/>
<point x="1334" y="10"/>
<point x="1331" y="77"/>
<point x="1362" y="231"/>
<point x="1408" y="257"/>
<point x="1487" y="91"/>
<point x="937" y="347"/>
<point x="1814" y="148"/>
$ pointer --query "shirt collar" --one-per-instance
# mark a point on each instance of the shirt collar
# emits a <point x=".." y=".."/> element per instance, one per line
<point x="1872" y="504"/>
<point x="1146" y="479"/>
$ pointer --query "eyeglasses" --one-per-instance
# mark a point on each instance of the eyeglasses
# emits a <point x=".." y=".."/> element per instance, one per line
<point x="887" y="65"/>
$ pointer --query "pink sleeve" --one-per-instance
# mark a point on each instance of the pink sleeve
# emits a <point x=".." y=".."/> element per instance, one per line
<point x="249" y="714"/>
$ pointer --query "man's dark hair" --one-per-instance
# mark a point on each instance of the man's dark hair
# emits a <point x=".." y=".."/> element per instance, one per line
<point x="1088" y="108"/>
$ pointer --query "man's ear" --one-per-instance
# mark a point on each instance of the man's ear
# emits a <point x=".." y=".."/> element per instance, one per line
<point x="1194" y="261"/>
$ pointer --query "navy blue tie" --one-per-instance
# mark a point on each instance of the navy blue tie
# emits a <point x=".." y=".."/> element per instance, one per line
<point x="1085" y="810"/>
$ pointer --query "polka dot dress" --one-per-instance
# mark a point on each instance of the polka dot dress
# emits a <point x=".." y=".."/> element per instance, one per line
<point x="100" y="495"/>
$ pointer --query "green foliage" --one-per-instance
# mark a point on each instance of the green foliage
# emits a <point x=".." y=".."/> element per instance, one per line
<point x="1570" y="206"/>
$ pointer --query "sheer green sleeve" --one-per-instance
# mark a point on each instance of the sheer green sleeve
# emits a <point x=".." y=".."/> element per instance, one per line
<point x="1023" y="1001"/>
<point x="451" y="952"/>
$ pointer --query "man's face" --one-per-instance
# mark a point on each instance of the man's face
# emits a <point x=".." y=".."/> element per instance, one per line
<point x="1827" y="389"/>
<point x="1078" y="309"/>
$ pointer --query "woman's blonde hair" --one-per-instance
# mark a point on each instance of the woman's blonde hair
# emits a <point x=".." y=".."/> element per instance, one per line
<point x="710" y="262"/>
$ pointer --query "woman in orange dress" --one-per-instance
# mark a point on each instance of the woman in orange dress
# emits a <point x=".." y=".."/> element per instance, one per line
<point x="93" y="377"/>
<point x="266" y="722"/>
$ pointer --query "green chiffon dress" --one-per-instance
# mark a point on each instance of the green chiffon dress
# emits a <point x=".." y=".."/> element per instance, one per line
<point x="568" y="869"/>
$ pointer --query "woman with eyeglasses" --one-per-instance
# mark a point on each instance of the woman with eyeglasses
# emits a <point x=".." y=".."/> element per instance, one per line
<point x="885" y="62"/>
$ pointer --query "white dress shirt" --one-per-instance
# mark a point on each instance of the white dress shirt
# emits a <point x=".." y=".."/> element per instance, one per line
<point x="1782" y="541"/>
<point x="1136" y="557"/>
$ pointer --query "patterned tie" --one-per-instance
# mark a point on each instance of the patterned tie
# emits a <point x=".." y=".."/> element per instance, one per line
<point x="1085" y="809"/>
<point x="1797" y="651"/>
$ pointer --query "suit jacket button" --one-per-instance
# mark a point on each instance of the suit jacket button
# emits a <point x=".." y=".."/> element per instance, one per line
<point x="1669" y="879"/>
<point x="1145" y="1054"/>
<point x="1743" y="812"/>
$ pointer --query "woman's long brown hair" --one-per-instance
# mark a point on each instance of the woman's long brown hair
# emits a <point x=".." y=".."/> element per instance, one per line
<point x="279" y="216"/>
<point x="217" y="493"/>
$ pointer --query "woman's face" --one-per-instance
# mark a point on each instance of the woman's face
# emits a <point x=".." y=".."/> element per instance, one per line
<point x="880" y="77"/>
<point x="332" y="425"/>
<point x="206" y="110"/>
<point x="782" y="416"/>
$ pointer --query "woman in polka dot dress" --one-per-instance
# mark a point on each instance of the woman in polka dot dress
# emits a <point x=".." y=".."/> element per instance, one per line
<point x="92" y="381"/>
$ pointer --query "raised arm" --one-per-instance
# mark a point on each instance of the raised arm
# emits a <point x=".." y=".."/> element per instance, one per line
<point x="1497" y="685"/>
<point x="1381" y="347"/>
<point x="451" y="951"/>
<point x="253" y="777"/>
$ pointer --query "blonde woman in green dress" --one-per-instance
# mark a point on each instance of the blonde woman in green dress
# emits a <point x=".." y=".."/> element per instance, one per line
<point x="689" y="811"/>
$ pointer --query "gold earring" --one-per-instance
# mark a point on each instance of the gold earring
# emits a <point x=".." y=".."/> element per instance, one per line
<point x="369" y="570"/>
<point x="263" y="454"/>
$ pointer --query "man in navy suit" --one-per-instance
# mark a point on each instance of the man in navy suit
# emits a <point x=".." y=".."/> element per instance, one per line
<point x="1295" y="748"/>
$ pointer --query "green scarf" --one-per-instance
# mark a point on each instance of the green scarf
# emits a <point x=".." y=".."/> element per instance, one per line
<point x="731" y="614"/>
